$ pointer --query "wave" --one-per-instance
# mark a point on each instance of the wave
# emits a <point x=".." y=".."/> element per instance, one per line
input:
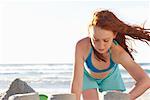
<point x="51" y="76"/>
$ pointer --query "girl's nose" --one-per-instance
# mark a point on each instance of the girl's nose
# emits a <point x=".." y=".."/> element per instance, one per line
<point x="101" y="45"/>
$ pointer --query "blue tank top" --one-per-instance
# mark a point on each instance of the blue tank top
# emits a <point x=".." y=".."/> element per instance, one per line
<point x="88" y="62"/>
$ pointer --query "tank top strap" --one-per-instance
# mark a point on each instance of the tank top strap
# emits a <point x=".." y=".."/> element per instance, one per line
<point x="116" y="43"/>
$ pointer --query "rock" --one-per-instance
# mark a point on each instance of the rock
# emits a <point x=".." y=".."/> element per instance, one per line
<point x="17" y="87"/>
<point x="116" y="96"/>
<point x="26" y="96"/>
<point x="63" y="97"/>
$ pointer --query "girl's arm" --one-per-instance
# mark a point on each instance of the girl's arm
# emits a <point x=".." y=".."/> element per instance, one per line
<point x="76" y="86"/>
<point x="141" y="78"/>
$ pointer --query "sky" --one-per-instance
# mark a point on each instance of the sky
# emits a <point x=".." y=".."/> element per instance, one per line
<point x="43" y="32"/>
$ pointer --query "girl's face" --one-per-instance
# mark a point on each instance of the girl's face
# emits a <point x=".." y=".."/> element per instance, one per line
<point x="101" y="39"/>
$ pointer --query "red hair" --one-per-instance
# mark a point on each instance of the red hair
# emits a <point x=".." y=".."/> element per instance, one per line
<point x="107" y="20"/>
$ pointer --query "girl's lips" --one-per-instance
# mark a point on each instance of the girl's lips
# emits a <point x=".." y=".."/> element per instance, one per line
<point x="101" y="49"/>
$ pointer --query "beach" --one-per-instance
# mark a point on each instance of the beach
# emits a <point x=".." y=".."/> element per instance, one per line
<point x="52" y="78"/>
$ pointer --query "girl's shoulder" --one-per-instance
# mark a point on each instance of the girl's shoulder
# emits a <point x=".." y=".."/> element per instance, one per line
<point x="84" y="42"/>
<point x="117" y="51"/>
<point x="83" y="45"/>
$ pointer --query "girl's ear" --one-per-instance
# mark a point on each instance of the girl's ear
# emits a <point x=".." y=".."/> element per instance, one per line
<point x="115" y="34"/>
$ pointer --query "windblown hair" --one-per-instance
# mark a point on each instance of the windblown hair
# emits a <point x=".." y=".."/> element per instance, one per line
<point x="107" y="20"/>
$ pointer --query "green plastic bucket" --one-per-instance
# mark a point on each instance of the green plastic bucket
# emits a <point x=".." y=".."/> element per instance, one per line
<point x="43" y="97"/>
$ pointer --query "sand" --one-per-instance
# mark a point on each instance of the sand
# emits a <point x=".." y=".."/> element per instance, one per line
<point x="20" y="89"/>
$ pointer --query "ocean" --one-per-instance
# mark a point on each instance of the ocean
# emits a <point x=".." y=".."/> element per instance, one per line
<point x="50" y="78"/>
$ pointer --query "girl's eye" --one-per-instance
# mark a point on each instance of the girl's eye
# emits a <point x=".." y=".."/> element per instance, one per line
<point x="106" y="40"/>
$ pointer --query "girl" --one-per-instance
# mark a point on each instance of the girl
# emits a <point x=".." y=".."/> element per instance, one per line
<point x="98" y="55"/>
